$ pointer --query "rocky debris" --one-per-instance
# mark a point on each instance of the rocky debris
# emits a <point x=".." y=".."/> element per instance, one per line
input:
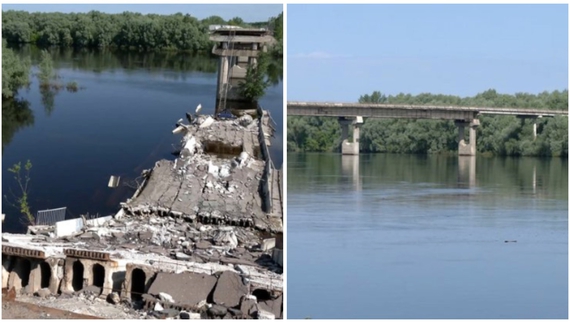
<point x="164" y="297"/>
<point x="248" y="305"/>
<point x="245" y="120"/>
<point x="186" y="288"/>
<point x="184" y="315"/>
<point x="91" y="291"/>
<point x="183" y="256"/>
<point x="114" y="298"/>
<point x="203" y="245"/>
<point x="169" y="312"/>
<point x="274" y="306"/>
<point x="217" y="310"/>
<point x="44" y="292"/>
<point x="264" y="315"/>
<point x="230" y="289"/>
<point x="235" y="312"/>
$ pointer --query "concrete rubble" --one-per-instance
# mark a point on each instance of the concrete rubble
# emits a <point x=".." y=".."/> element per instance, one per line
<point x="200" y="238"/>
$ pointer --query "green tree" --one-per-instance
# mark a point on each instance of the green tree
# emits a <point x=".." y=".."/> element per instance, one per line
<point x="15" y="72"/>
<point x="46" y="74"/>
<point x="255" y="79"/>
<point x="22" y="198"/>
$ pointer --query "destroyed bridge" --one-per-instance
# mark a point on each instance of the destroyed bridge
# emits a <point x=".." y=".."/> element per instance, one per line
<point x="202" y="237"/>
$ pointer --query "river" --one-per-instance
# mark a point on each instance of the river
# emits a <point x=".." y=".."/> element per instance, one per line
<point x="118" y="123"/>
<point x="405" y="236"/>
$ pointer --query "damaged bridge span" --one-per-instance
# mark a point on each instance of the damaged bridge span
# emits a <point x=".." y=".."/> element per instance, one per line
<point x="201" y="237"/>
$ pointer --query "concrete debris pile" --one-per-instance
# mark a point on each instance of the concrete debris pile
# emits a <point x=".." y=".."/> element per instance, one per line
<point x="195" y="241"/>
<point x="215" y="180"/>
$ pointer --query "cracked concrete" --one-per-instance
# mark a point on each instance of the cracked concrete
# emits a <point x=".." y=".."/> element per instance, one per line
<point x="202" y="215"/>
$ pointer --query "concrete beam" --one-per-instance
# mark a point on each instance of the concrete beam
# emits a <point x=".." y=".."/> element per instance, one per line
<point x="242" y="39"/>
<point x="408" y="111"/>
<point x="235" y="52"/>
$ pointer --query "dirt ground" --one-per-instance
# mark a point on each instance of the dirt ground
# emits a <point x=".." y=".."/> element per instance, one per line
<point x="31" y="307"/>
<point x="21" y="310"/>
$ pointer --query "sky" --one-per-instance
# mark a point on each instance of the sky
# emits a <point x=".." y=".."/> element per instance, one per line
<point x="248" y="12"/>
<point x="339" y="52"/>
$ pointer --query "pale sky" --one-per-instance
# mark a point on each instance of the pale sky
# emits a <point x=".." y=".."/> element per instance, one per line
<point x="339" y="52"/>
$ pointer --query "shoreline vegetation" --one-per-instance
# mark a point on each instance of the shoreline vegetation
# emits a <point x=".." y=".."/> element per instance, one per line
<point x="496" y="136"/>
<point x="124" y="31"/>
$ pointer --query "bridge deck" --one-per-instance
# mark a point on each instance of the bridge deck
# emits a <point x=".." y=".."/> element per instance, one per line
<point x="409" y="111"/>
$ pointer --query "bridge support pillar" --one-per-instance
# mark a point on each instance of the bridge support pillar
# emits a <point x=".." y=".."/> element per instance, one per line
<point x="350" y="148"/>
<point x="534" y="119"/>
<point x="534" y="127"/>
<point x="467" y="149"/>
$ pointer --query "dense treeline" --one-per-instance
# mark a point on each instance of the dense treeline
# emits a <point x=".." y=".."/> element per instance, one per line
<point x="127" y="30"/>
<point x="497" y="135"/>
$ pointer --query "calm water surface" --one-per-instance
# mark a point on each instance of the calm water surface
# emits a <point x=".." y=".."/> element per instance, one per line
<point x="398" y="236"/>
<point x="119" y="124"/>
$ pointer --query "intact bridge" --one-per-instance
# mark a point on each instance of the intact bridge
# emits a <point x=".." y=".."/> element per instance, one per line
<point x="354" y="113"/>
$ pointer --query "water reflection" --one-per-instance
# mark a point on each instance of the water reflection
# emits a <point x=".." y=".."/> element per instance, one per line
<point x="48" y="99"/>
<point x="16" y="114"/>
<point x="99" y="61"/>
<point x="539" y="176"/>
<point x="351" y="170"/>
<point x="429" y="232"/>
<point x="466" y="172"/>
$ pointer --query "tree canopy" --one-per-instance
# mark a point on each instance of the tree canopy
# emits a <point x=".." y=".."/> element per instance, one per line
<point x="126" y="30"/>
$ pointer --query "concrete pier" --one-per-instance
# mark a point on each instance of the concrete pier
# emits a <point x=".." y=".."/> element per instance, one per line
<point x="238" y="49"/>
<point x="470" y="148"/>
<point x="352" y="147"/>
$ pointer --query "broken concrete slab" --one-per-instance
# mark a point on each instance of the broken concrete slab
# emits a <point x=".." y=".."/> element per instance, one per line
<point x="248" y="305"/>
<point x="265" y="315"/>
<point x="217" y="310"/>
<point x="230" y="289"/>
<point x="268" y="244"/>
<point x="164" y="297"/>
<point x="203" y="245"/>
<point x="68" y="227"/>
<point x="274" y="306"/>
<point x="186" y="288"/>
<point x="183" y="256"/>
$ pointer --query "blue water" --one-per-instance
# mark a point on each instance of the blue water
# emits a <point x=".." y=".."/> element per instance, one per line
<point x="390" y="236"/>
<point x="119" y="123"/>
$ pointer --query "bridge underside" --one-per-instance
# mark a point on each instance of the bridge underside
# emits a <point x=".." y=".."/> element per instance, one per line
<point x="382" y="113"/>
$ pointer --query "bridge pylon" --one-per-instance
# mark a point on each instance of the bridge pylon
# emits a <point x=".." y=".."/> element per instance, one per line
<point x="350" y="148"/>
<point x="470" y="148"/>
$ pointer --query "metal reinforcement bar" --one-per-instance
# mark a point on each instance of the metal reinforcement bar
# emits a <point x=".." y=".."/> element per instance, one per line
<point x="17" y="251"/>
<point x="96" y="255"/>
